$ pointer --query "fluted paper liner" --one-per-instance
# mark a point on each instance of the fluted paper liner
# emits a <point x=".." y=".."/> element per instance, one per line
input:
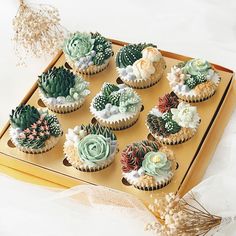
<point x="152" y="80"/>
<point x="89" y="70"/>
<point x="49" y="144"/>
<point x="71" y="155"/>
<point x="62" y="108"/>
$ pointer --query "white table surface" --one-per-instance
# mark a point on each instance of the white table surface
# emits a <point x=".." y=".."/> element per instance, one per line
<point x="196" y="28"/>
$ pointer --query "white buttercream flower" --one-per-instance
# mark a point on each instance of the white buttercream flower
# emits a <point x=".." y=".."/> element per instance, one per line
<point x="151" y="54"/>
<point x="185" y="115"/>
<point x="143" y="68"/>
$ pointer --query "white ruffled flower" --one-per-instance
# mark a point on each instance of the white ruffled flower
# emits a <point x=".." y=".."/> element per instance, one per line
<point x="186" y="115"/>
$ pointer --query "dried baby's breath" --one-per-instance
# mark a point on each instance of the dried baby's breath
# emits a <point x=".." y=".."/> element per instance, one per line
<point x="37" y="30"/>
<point x="181" y="216"/>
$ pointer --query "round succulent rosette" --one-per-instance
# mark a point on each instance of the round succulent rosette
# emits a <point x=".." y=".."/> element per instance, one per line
<point x="32" y="130"/>
<point x="87" y="53"/>
<point x="116" y="106"/>
<point x="90" y="148"/>
<point x="140" y="65"/>
<point x="147" y="165"/>
<point x="194" y="80"/>
<point x="172" y="121"/>
<point x="61" y="90"/>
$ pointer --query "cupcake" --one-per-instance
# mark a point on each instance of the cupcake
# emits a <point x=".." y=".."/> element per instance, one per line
<point x="147" y="165"/>
<point x="116" y="106"/>
<point x="32" y="130"/>
<point x="194" y="80"/>
<point x="87" y="53"/>
<point x="140" y="65"/>
<point x="90" y="147"/>
<point x="61" y="90"/>
<point x="172" y="121"/>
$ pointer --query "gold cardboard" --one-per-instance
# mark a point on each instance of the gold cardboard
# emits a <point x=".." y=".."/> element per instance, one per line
<point x="192" y="156"/>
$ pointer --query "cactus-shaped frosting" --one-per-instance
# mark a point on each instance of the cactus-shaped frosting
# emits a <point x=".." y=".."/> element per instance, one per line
<point x="24" y="116"/>
<point x="114" y="98"/>
<point x="157" y="125"/>
<point x="98" y="129"/>
<point x="132" y="157"/>
<point x="108" y="88"/>
<point x="130" y="53"/>
<point x="100" y="102"/>
<point x="34" y="128"/>
<point x="56" y="82"/>
<point x="172" y="127"/>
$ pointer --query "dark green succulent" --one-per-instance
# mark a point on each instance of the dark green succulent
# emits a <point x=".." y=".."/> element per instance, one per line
<point x="130" y="53"/>
<point x="56" y="82"/>
<point x="172" y="127"/>
<point x="201" y="78"/>
<point x="98" y="129"/>
<point x="54" y="125"/>
<point x="24" y="116"/>
<point x="100" y="102"/>
<point x="108" y="88"/>
<point x="191" y="82"/>
<point x="114" y="98"/>
<point x="156" y="125"/>
<point x="167" y="116"/>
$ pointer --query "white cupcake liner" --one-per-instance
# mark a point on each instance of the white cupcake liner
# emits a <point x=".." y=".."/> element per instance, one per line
<point x="49" y="144"/>
<point x="119" y="124"/>
<point x="146" y="83"/>
<point x="62" y="108"/>
<point x="149" y="186"/>
<point x="76" y="163"/>
<point x="89" y="70"/>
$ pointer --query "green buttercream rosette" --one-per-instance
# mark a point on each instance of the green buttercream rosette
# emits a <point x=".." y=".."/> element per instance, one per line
<point x="78" y="45"/>
<point x="94" y="149"/>
<point x="156" y="164"/>
<point x="196" y="66"/>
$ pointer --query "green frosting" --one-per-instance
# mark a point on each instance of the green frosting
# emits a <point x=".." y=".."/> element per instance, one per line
<point x="156" y="164"/>
<point x="114" y="98"/>
<point x="100" y="102"/>
<point x="196" y="66"/>
<point x="94" y="149"/>
<point x="172" y="127"/>
<point x="108" y="88"/>
<point x="128" y="101"/>
<point x="56" y="82"/>
<point x="130" y="53"/>
<point x="78" y="45"/>
<point x="24" y="116"/>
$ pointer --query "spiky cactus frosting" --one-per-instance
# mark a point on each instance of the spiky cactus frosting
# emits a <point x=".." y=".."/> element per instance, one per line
<point x="61" y="90"/>
<point x="90" y="147"/>
<point x="173" y="121"/>
<point x="116" y="106"/>
<point x="140" y="65"/>
<point x="87" y="52"/>
<point x="32" y="130"/>
<point x="147" y="165"/>
<point x="194" y="80"/>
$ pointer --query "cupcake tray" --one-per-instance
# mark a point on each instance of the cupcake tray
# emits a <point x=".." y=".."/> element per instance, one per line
<point x="192" y="156"/>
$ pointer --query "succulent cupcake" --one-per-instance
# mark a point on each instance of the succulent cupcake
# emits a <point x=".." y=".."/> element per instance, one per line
<point x="116" y="106"/>
<point x="147" y="165"/>
<point x="172" y="121"/>
<point x="194" y="80"/>
<point x="61" y="90"/>
<point x="140" y="65"/>
<point x="32" y="130"/>
<point x="90" y="147"/>
<point x="87" y="53"/>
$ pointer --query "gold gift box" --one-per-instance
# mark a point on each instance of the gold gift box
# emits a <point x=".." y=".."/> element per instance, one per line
<point x="192" y="156"/>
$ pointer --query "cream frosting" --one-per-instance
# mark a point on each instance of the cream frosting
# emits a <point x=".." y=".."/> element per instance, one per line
<point x="151" y="54"/>
<point x="143" y="68"/>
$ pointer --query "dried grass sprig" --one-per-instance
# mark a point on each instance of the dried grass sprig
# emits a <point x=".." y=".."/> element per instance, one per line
<point x="182" y="216"/>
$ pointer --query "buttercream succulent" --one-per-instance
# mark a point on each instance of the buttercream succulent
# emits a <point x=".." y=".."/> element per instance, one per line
<point x="24" y="116"/>
<point x="186" y="115"/>
<point x="114" y="98"/>
<point x="172" y="127"/>
<point x="100" y="102"/>
<point x="128" y="101"/>
<point x="94" y="148"/>
<point x="157" y="125"/>
<point x="133" y="155"/>
<point x="167" y="102"/>
<point x="78" y="45"/>
<point x="196" y="66"/>
<point x="56" y="82"/>
<point x="156" y="164"/>
<point x="108" y="88"/>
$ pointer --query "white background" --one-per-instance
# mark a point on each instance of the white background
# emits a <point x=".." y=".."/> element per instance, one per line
<point x="200" y="28"/>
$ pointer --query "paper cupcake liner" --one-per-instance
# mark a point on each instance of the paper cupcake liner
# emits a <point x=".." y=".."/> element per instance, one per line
<point x="89" y="70"/>
<point x="182" y="136"/>
<point x="150" y="186"/>
<point x="62" y="108"/>
<point x="121" y="124"/>
<point x="76" y="163"/>
<point x="50" y="143"/>
<point x="152" y="80"/>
